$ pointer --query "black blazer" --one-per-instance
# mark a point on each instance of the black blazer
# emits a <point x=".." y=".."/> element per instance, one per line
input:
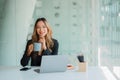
<point x="35" y="58"/>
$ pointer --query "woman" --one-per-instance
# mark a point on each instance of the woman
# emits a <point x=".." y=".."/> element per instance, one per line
<point x="43" y="34"/>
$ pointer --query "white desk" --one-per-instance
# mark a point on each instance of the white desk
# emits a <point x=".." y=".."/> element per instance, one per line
<point x="93" y="73"/>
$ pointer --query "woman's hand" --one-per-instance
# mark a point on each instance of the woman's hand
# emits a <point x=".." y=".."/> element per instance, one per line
<point x="43" y="43"/>
<point x="30" y="49"/>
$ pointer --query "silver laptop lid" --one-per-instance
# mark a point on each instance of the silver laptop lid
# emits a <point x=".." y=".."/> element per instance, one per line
<point x="53" y="63"/>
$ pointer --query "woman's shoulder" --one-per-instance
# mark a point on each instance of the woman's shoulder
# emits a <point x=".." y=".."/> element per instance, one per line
<point x="54" y="40"/>
<point x="29" y="41"/>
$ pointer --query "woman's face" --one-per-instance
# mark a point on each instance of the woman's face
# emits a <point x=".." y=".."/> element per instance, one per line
<point x="41" y="29"/>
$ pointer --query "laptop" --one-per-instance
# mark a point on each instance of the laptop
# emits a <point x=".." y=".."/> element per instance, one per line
<point x="54" y="63"/>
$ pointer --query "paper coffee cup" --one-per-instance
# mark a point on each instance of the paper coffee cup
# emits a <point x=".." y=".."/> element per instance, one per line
<point x="37" y="46"/>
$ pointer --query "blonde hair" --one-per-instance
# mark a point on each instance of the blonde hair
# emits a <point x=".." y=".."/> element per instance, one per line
<point x="48" y="37"/>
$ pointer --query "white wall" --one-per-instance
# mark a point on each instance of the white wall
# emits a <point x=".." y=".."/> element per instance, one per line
<point x="16" y="20"/>
<point x="8" y="34"/>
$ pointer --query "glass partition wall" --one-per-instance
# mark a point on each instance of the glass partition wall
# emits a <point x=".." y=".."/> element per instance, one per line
<point x="109" y="37"/>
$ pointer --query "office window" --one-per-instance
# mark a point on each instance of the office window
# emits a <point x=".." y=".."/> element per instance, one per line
<point x="109" y="38"/>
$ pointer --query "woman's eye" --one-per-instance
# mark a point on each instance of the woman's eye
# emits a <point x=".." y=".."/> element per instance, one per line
<point x="44" y="26"/>
<point x="38" y="27"/>
<point x="41" y="27"/>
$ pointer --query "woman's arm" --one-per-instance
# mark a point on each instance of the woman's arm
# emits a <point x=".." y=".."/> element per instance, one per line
<point x="54" y="49"/>
<point x="25" y="59"/>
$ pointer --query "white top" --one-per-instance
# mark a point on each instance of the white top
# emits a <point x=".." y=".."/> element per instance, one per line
<point x="92" y="73"/>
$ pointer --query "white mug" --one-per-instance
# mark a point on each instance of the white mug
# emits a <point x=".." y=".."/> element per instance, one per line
<point x="37" y="46"/>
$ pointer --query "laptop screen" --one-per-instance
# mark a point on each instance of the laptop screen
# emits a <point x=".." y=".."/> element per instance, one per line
<point x="54" y="63"/>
